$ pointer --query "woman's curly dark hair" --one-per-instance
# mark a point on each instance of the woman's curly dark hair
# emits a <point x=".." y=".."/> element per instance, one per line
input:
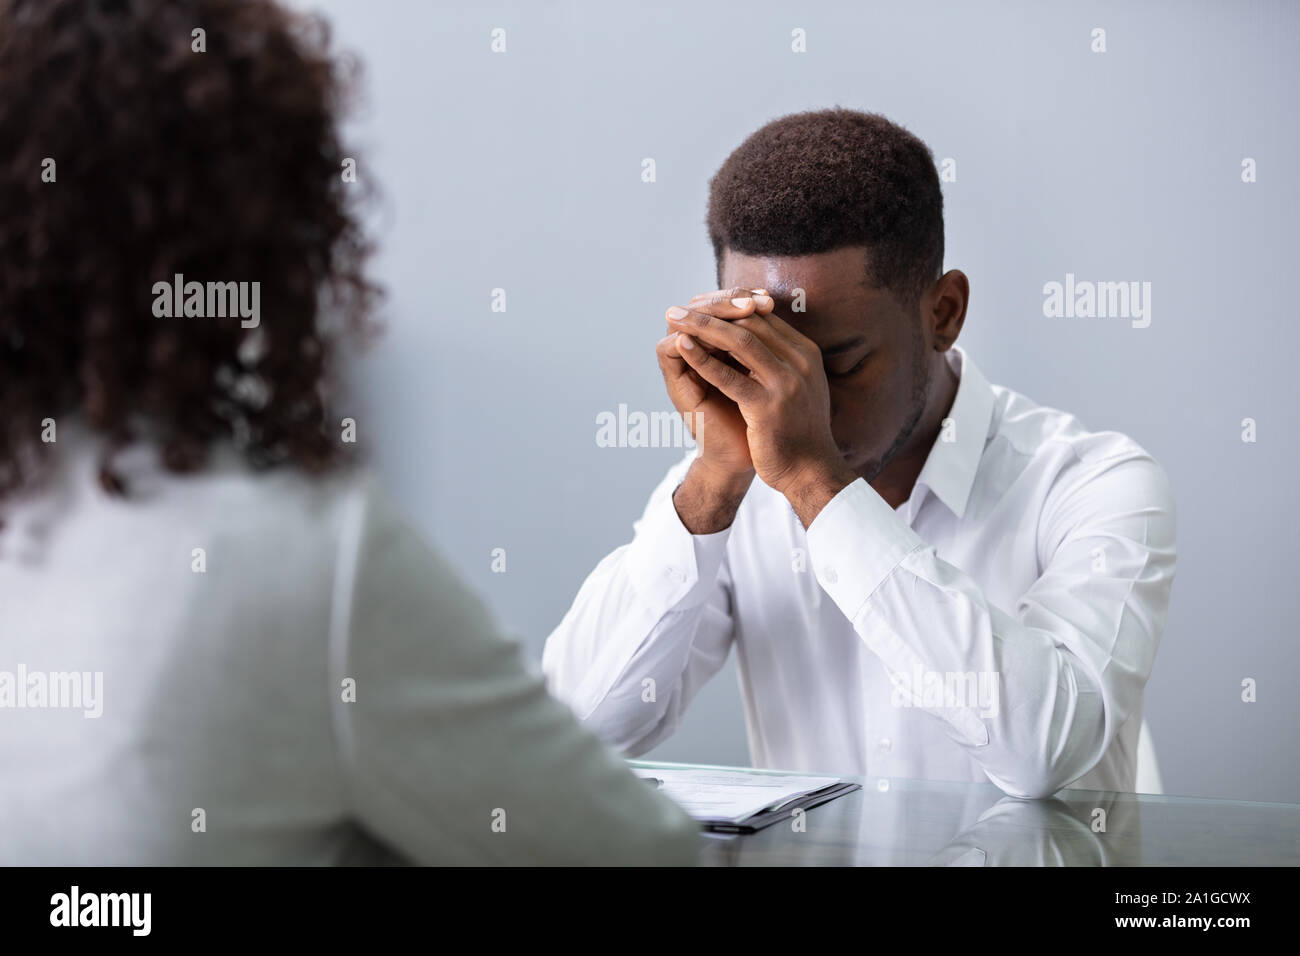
<point x="222" y="165"/>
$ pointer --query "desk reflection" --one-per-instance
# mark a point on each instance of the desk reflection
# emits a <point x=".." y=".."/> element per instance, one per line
<point x="938" y="823"/>
<point x="1015" y="832"/>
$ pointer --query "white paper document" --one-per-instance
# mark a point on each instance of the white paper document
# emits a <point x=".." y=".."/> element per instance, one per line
<point x="731" y="796"/>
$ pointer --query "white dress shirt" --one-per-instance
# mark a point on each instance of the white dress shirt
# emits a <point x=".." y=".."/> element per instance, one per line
<point x="1000" y="624"/>
<point x="315" y="687"/>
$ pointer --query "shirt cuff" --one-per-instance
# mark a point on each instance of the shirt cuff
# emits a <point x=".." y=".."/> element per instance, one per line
<point x="672" y="569"/>
<point x="855" y="543"/>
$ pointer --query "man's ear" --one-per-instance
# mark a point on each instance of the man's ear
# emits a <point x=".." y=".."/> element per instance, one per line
<point x="945" y="307"/>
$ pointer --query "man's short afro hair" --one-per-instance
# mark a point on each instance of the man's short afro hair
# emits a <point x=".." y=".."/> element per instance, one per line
<point x="816" y="181"/>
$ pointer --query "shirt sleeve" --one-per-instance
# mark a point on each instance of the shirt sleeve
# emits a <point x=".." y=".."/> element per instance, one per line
<point x="1034" y="693"/>
<point x="451" y="751"/>
<point x="649" y="627"/>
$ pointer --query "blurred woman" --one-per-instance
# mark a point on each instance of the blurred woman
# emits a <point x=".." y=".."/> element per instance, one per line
<point x="218" y="642"/>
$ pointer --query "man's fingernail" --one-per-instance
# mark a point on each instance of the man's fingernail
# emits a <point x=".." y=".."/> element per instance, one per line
<point x="743" y="303"/>
<point x="759" y="291"/>
<point x="677" y="312"/>
<point x="685" y="341"/>
<point x="762" y="301"/>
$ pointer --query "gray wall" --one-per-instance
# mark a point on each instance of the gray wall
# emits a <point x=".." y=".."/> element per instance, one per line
<point x="522" y="171"/>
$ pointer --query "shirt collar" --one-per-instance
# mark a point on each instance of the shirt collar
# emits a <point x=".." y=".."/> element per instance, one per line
<point x="950" y="468"/>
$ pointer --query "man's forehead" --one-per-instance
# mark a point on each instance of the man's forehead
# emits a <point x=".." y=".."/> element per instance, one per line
<point x="841" y="273"/>
<point x="828" y="296"/>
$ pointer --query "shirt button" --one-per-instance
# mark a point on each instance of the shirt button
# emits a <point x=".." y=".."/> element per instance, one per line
<point x="882" y="785"/>
<point x="886" y="743"/>
<point x="829" y="574"/>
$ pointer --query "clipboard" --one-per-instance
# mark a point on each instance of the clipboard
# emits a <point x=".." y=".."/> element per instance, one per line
<point x="765" y="818"/>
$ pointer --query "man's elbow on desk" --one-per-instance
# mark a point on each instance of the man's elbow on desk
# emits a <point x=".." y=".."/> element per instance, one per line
<point x="1031" y="785"/>
<point x="1039" y="775"/>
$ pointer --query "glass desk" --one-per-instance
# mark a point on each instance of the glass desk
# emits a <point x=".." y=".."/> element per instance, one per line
<point x="898" y="822"/>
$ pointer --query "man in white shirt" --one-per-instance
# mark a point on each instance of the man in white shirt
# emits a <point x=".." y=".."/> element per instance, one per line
<point x="932" y="576"/>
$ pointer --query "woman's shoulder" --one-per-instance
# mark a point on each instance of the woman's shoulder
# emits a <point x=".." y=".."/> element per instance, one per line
<point x="250" y="530"/>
